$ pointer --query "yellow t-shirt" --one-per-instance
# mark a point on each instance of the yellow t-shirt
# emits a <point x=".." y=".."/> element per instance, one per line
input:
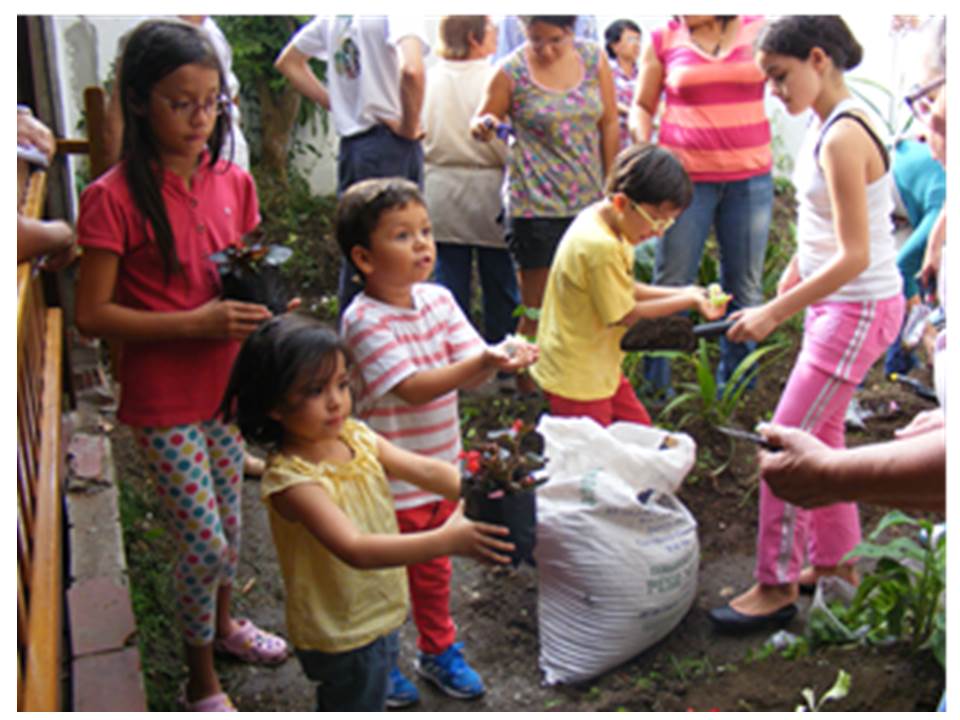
<point x="332" y="607"/>
<point x="590" y="286"/>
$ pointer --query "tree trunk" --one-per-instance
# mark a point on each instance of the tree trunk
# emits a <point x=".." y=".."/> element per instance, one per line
<point x="278" y="116"/>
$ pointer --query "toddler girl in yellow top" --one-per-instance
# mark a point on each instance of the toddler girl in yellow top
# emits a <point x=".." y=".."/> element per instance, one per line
<point x="331" y="511"/>
<point x="592" y="298"/>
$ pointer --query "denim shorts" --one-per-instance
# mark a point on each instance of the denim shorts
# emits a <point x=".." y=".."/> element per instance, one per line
<point x="533" y="241"/>
<point x="352" y="681"/>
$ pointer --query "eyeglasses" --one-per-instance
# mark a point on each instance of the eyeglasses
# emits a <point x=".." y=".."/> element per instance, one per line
<point x="554" y="42"/>
<point x="658" y="225"/>
<point x="921" y="103"/>
<point x="186" y="109"/>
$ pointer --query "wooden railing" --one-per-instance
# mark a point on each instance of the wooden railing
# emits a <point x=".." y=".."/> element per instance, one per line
<point x="40" y="467"/>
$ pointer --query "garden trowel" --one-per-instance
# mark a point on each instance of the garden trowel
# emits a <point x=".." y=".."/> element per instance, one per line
<point x="670" y="333"/>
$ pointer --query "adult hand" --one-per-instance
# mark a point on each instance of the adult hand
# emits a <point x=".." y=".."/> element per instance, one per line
<point x="484" y="127"/>
<point x="922" y="422"/>
<point x="231" y="319"/>
<point x="753" y="323"/>
<point x="397" y="127"/>
<point x="796" y="472"/>
<point x="32" y="131"/>
<point x="59" y="259"/>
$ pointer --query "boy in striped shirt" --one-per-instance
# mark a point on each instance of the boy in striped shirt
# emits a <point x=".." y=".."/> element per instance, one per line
<point x="415" y="349"/>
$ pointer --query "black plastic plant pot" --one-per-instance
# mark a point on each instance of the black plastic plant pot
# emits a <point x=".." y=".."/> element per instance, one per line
<point x="517" y="511"/>
<point x="263" y="285"/>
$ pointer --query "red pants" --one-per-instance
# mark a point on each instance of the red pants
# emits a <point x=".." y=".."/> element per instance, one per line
<point x="430" y="581"/>
<point x="623" y="405"/>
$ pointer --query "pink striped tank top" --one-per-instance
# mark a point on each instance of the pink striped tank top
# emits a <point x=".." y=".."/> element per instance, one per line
<point x="714" y="119"/>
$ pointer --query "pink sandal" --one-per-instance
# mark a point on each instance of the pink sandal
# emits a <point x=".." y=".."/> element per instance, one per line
<point x="212" y="703"/>
<point x="253" y="645"/>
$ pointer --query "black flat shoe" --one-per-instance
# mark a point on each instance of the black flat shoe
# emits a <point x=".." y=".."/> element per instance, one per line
<point x="729" y="620"/>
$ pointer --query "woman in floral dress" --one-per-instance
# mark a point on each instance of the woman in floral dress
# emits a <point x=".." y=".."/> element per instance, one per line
<point x="556" y="93"/>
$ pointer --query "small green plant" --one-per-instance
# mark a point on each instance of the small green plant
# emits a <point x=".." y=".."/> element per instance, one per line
<point x="706" y="402"/>
<point x="839" y="690"/>
<point x="687" y="668"/>
<point x="902" y="599"/>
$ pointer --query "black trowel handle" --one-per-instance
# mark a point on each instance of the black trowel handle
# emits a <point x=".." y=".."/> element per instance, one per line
<point x="712" y="329"/>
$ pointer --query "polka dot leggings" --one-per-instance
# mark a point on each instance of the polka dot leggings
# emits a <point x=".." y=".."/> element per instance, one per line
<point x="198" y="469"/>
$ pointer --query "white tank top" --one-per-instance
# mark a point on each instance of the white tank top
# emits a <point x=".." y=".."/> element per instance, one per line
<point x="817" y="242"/>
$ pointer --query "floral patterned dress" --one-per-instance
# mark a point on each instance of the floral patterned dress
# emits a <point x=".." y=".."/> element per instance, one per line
<point x="555" y="167"/>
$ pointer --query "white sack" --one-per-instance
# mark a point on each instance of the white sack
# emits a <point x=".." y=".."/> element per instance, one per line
<point x="617" y="572"/>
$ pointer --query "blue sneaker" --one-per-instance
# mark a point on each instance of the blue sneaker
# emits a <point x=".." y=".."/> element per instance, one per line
<point x="400" y="691"/>
<point x="450" y="672"/>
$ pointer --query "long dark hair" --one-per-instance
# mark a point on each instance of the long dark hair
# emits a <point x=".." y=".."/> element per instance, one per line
<point x="796" y="35"/>
<point x="155" y="49"/>
<point x="283" y="355"/>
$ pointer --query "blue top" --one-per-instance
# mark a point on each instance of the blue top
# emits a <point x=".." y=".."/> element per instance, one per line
<point x="921" y="184"/>
<point x="921" y="181"/>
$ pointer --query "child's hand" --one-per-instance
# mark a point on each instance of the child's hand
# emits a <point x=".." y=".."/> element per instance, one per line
<point x="753" y="323"/>
<point x="231" y="319"/>
<point x="476" y="539"/>
<point x="513" y="353"/>
<point x="712" y="302"/>
<point x="484" y="127"/>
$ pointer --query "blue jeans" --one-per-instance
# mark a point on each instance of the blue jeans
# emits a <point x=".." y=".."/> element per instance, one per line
<point x="498" y="280"/>
<point x="352" y="681"/>
<point x="740" y="213"/>
<point x="376" y="153"/>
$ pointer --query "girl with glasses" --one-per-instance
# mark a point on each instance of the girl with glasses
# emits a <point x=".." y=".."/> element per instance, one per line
<point x="148" y="227"/>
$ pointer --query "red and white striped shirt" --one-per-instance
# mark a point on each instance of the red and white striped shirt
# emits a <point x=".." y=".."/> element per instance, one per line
<point x="714" y="119"/>
<point x="391" y="343"/>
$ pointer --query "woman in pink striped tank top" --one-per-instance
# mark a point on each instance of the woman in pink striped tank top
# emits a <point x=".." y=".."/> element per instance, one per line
<point x="713" y="120"/>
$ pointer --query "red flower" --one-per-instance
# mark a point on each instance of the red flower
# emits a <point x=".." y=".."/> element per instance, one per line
<point x="473" y="461"/>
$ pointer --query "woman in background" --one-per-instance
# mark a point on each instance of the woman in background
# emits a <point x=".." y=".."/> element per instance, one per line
<point x="463" y="178"/>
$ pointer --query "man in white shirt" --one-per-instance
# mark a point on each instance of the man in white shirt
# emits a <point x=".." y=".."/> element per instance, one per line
<point x="374" y="91"/>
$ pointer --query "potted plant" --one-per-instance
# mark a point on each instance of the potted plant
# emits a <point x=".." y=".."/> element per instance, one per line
<point x="252" y="273"/>
<point x="499" y="477"/>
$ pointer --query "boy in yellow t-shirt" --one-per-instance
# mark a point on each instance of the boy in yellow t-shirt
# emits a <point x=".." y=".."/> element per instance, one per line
<point x="331" y="510"/>
<point x="592" y="298"/>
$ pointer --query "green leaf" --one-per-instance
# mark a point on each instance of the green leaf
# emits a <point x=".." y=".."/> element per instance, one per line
<point x="895" y="517"/>
<point x="708" y="384"/>
<point x="898" y="549"/>
<point x="840" y="689"/>
<point x="678" y="401"/>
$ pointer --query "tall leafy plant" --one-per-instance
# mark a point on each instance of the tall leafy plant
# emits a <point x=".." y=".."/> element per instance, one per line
<point x="903" y="598"/>
<point x="701" y="398"/>
<point x="272" y="107"/>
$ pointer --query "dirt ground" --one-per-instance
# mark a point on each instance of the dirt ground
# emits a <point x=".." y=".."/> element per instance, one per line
<point x="496" y="611"/>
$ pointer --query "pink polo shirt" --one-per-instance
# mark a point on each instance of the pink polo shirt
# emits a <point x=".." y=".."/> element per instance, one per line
<point x="171" y="382"/>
